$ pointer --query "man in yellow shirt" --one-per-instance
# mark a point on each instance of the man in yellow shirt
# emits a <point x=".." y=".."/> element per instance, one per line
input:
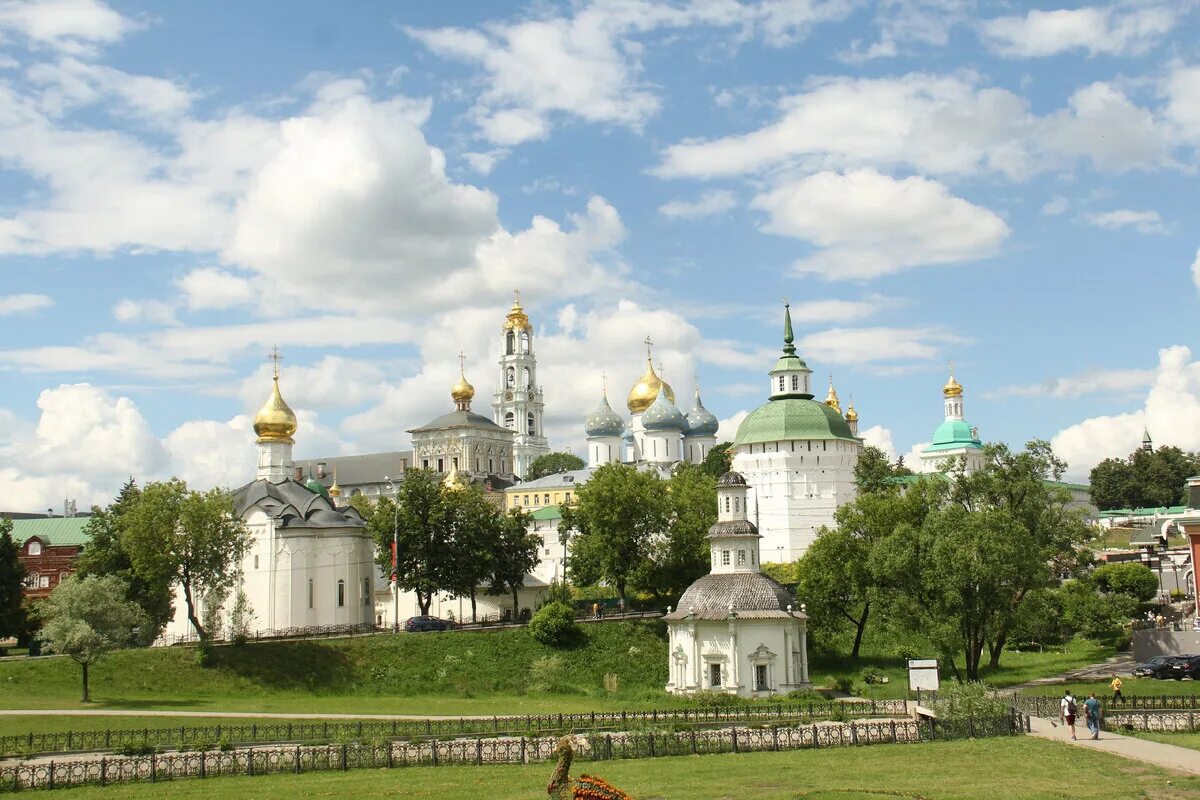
<point x="1116" y="689"/>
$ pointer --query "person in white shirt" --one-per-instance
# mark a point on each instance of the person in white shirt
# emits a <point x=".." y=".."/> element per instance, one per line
<point x="1068" y="711"/>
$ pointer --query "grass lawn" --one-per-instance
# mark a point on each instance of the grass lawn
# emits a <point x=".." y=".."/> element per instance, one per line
<point x="1129" y="688"/>
<point x="1190" y="740"/>
<point x="1026" y="768"/>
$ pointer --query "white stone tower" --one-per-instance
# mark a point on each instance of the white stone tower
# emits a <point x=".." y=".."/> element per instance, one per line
<point x="604" y="431"/>
<point x="517" y="403"/>
<point x="275" y="424"/>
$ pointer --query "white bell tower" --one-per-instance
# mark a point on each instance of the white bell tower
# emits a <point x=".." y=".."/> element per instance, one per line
<point x="517" y="403"/>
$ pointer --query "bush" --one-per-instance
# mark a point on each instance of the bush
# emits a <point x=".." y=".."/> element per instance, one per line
<point x="204" y="654"/>
<point x="973" y="700"/>
<point x="1136" y="580"/>
<point x="547" y="674"/>
<point x="554" y="625"/>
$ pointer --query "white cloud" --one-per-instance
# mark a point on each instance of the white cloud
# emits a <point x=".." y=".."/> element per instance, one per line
<point x="334" y="382"/>
<point x="1196" y="270"/>
<point x="905" y="23"/>
<point x="727" y="428"/>
<point x="866" y="224"/>
<point x="1113" y="382"/>
<point x="879" y="344"/>
<point x="706" y="205"/>
<point x="881" y="437"/>
<point x="24" y="303"/>
<point x="1170" y="411"/>
<point x="69" y="25"/>
<point x="1182" y="90"/>
<point x="212" y="288"/>
<point x="815" y="312"/>
<point x="931" y="124"/>
<point x="1055" y="206"/>
<point x="1118" y="29"/>
<point x="155" y="311"/>
<point x="70" y="83"/>
<point x="1141" y="221"/>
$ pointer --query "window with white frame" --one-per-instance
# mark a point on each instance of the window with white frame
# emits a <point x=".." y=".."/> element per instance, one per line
<point x="35" y="548"/>
<point x="341" y="593"/>
<point x="725" y="558"/>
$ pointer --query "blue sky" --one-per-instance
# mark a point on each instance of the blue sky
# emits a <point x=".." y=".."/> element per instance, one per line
<point x="1006" y="185"/>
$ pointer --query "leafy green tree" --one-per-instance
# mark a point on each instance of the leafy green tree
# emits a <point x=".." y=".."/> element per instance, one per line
<point x="1143" y="479"/>
<point x="718" y="460"/>
<point x="874" y="473"/>
<point x="188" y="538"/>
<point x="473" y="526"/>
<point x="615" y="517"/>
<point x="1095" y="615"/>
<point x="106" y="555"/>
<point x="1135" y="580"/>
<point x="836" y="578"/>
<point x="424" y="562"/>
<point x="554" y="625"/>
<point x="1039" y="620"/>
<point x="87" y="618"/>
<point x="514" y="555"/>
<point x="1022" y="484"/>
<point x="363" y="505"/>
<point x="12" y="577"/>
<point x="553" y="463"/>
<point x="681" y="555"/>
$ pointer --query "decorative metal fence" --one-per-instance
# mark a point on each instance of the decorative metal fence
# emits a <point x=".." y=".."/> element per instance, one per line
<point x="316" y="730"/>
<point x="1159" y="721"/>
<point x="1040" y="706"/>
<point x="591" y="747"/>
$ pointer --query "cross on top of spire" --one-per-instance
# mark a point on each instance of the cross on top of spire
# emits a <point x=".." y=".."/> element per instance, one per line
<point x="516" y="297"/>
<point x="462" y="362"/>
<point x="649" y="344"/>
<point x="275" y="357"/>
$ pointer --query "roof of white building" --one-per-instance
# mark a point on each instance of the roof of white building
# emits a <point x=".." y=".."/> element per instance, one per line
<point x="750" y="595"/>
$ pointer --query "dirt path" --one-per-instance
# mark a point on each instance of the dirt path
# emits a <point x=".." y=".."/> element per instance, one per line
<point x="1162" y="755"/>
<point x="1121" y="664"/>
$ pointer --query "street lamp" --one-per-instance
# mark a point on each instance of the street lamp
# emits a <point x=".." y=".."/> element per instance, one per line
<point x="395" y="545"/>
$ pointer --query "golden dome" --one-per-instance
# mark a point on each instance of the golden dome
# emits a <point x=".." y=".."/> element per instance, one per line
<point x="334" y="489"/>
<point x="462" y="391"/>
<point x="646" y="389"/>
<point x="517" y="319"/>
<point x="952" y="388"/>
<point x="831" y="399"/>
<point x="454" y="481"/>
<point x="851" y="414"/>
<point x="275" y="421"/>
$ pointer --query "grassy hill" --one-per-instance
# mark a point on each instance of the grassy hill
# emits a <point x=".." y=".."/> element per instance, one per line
<point x="428" y="673"/>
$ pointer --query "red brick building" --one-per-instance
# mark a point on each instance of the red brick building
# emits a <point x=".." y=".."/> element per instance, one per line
<point x="49" y="548"/>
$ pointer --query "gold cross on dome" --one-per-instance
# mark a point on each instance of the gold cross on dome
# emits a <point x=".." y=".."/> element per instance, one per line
<point x="275" y="357"/>
<point x="604" y="381"/>
<point x="950" y="364"/>
<point x="462" y="362"/>
<point x="649" y="344"/>
<point x="516" y="297"/>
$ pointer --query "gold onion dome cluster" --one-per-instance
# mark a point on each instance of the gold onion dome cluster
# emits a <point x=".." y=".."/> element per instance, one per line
<point x="646" y="389"/>
<point x="275" y="421"/>
<point x="851" y="414"/>
<point x="831" y="399"/>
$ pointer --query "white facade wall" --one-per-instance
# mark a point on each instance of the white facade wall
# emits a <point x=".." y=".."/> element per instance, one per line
<point x="796" y="488"/>
<point x="604" y="450"/>
<point x="736" y="648"/>
<point x="695" y="448"/>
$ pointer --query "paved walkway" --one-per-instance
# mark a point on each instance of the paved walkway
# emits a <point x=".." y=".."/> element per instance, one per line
<point x="1162" y="755"/>
<point x="1121" y="664"/>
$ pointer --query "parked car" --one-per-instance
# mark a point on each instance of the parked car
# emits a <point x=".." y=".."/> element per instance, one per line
<point x="1156" y="667"/>
<point x="427" y="623"/>
<point x="1185" y="667"/>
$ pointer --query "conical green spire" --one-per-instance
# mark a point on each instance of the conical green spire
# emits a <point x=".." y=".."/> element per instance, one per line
<point x="788" y="337"/>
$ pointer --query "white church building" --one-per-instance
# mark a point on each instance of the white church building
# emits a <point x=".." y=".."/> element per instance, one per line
<point x="736" y="630"/>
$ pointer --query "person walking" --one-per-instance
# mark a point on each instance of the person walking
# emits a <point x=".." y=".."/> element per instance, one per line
<point x="595" y="610"/>
<point x="1116" y="689"/>
<point x="1091" y="709"/>
<point x="1068" y="709"/>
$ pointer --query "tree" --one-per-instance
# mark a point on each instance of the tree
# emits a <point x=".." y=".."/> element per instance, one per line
<point x="836" y="578"/>
<point x="1095" y="615"/>
<point x="473" y="525"/>
<point x="424" y="562"/>
<point x="552" y="463"/>
<point x="363" y="505"/>
<point x="718" y="461"/>
<point x="1023" y="484"/>
<point x="12" y="578"/>
<point x="681" y="554"/>
<point x="188" y="538"/>
<point x="875" y="473"/>
<point x="106" y="555"/>
<point x="1143" y="479"/>
<point x="87" y="618"/>
<point x="1135" y="580"/>
<point x="514" y="555"/>
<point x="616" y="514"/>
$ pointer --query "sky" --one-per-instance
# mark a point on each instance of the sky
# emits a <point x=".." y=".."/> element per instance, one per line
<point x="1009" y="186"/>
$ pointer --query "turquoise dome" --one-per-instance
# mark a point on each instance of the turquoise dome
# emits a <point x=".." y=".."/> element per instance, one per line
<point x="792" y="418"/>
<point x="663" y="415"/>
<point x="603" y="421"/>
<point x="700" y="421"/>
<point x="953" y="434"/>
<point x="314" y="486"/>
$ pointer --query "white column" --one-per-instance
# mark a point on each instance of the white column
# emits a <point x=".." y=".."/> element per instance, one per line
<point x="803" y="654"/>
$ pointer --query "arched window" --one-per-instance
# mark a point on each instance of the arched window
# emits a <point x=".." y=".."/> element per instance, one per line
<point x="310" y="593"/>
<point x="525" y="342"/>
<point x="737" y="504"/>
<point x="366" y="591"/>
<point x="530" y="430"/>
<point x="341" y="594"/>
<point x="62" y="576"/>
<point x="528" y="379"/>
<point x="35" y="548"/>
<point x="510" y="377"/>
<point x="508" y="420"/>
<point x="510" y="343"/>
<point x="31" y="582"/>
<point x="256" y="562"/>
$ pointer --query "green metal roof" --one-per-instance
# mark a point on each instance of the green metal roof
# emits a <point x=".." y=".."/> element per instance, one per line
<point x="549" y="512"/>
<point x="1143" y="512"/>
<point x="56" y="531"/>
<point x="792" y="418"/>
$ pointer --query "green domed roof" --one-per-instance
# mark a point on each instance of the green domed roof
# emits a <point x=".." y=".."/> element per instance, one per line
<point x="953" y="434"/>
<point x="792" y="418"/>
